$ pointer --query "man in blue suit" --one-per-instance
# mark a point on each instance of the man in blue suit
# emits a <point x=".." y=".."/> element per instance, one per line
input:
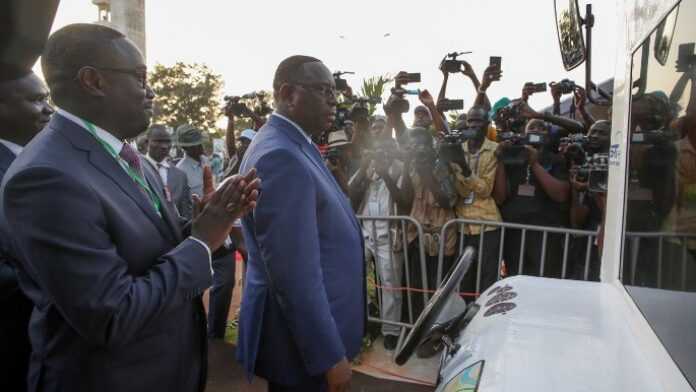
<point x="115" y="282"/>
<point x="303" y="309"/>
<point x="24" y="111"/>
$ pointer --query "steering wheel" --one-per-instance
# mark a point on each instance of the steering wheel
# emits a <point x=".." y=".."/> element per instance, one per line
<point x="435" y="306"/>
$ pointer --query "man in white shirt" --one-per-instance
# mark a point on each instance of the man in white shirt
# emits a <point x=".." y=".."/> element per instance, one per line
<point x="190" y="140"/>
<point x="176" y="187"/>
<point x="24" y="111"/>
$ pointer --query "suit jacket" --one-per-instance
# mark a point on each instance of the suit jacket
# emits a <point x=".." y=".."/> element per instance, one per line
<point x="116" y="290"/>
<point x="303" y="306"/>
<point x="15" y="307"/>
<point x="180" y="191"/>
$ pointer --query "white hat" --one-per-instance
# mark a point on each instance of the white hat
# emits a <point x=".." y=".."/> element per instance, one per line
<point x="248" y="134"/>
<point x="338" y="138"/>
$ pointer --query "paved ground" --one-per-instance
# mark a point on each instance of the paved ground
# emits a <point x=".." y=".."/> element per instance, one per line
<point x="226" y="375"/>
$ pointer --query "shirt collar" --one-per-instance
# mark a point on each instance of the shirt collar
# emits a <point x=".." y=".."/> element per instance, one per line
<point x="299" y="129"/>
<point x="105" y="136"/>
<point x="13" y="147"/>
<point x="164" y="162"/>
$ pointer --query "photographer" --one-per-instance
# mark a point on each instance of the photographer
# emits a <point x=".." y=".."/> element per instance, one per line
<point x="586" y="207"/>
<point x="374" y="193"/>
<point x="337" y="158"/>
<point x="474" y="165"/>
<point x="536" y="193"/>
<point x="438" y="121"/>
<point x="467" y="70"/>
<point x="429" y="195"/>
<point x="233" y="108"/>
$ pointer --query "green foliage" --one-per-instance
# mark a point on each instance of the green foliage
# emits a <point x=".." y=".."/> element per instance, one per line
<point x="187" y="94"/>
<point x="373" y="87"/>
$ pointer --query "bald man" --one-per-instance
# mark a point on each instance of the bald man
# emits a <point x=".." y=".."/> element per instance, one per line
<point x="24" y="111"/>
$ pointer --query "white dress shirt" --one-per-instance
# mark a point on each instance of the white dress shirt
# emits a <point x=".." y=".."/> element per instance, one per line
<point x="162" y="168"/>
<point x="299" y="128"/>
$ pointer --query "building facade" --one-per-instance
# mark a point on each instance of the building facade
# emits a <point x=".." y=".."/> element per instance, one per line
<point x="127" y="16"/>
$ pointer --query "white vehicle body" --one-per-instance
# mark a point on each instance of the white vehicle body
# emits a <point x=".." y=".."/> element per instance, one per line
<point x="583" y="336"/>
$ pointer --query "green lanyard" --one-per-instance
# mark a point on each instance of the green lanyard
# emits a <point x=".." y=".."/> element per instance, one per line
<point x="154" y="199"/>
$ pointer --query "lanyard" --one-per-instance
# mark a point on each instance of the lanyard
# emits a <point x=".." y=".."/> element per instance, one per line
<point x="154" y="200"/>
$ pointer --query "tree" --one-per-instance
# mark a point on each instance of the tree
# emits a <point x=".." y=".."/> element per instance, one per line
<point x="187" y="94"/>
<point x="373" y="88"/>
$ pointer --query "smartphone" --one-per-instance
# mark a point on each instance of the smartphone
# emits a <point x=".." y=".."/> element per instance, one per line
<point x="686" y="54"/>
<point x="539" y="87"/>
<point x="413" y="77"/>
<point x="496" y="61"/>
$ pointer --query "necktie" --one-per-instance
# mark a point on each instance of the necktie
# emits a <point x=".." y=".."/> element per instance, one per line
<point x="131" y="157"/>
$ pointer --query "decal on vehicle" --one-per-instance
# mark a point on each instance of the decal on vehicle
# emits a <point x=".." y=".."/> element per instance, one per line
<point x="500" y="308"/>
<point x="502" y="297"/>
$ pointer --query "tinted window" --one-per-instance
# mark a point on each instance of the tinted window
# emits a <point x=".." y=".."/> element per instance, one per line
<point x="659" y="259"/>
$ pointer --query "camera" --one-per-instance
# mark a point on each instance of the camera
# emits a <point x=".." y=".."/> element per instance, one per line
<point x="537" y="87"/>
<point x="686" y="57"/>
<point x="653" y="137"/>
<point x="511" y="116"/>
<point x="575" y="138"/>
<point x="448" y="105"/>
<point x="341" y="84"/>
<point x="595" y="172"/>
<point x="397" y="103"/>
<point x="360" y="110"/>
<point x="241" y="105"/>
<point x="450" y="64"/>
<point x="567" y="86"/>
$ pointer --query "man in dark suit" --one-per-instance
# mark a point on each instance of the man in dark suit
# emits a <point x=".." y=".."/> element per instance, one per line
<point x="115" y="281"/>
<point x="24" y="111"/>
<point x="303" y="307"/>
<point x="177" y="190"/>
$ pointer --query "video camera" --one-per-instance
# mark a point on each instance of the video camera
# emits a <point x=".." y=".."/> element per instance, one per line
<point x="575" y="138"/>
<point x="653" y="137"/>
<point x="595" y="172"/>
<point x="361" y="107"/>
<point x="450" y="148"/>
<point x="450" y="64"/>
<point x="240" y="105"/>
<point x="516" y="153"/>
<point x="448" y="105"/>
<point x="341" y="84"/>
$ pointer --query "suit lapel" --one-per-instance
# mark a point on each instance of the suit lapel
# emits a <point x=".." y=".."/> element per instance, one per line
<point x="109" y="167"/>
<point x="152" y="177"/>
<point x="6" y="159"/>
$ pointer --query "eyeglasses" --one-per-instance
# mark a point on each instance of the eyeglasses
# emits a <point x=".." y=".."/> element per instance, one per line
<point x="321" y="89"/>
<point x="141" y="75"/>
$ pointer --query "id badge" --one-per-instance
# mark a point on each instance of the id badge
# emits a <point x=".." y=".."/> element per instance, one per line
<point x="469" y="200"/>
<point x="526" y="190"/>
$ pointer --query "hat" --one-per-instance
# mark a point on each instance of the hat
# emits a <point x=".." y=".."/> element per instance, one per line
<point x="248" y="134"/>
<point x="189" y="136"/>
<point x="337" y="139"/>
<point x="502" y="102"/>
<point x="379" y="117"/>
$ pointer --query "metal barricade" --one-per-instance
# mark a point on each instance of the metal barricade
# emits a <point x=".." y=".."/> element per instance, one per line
<point x="524" y="231"/>
<point x="396" y="226"/>
<point x="651" y="245"/>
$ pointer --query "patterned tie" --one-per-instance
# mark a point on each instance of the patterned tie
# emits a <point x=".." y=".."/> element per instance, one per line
<point x="131" y="157"/>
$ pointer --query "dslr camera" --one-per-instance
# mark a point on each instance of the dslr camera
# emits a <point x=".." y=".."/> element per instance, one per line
<point x="567" y="86"/>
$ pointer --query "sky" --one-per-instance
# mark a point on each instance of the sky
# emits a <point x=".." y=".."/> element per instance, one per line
<point x="245" y="41"/>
